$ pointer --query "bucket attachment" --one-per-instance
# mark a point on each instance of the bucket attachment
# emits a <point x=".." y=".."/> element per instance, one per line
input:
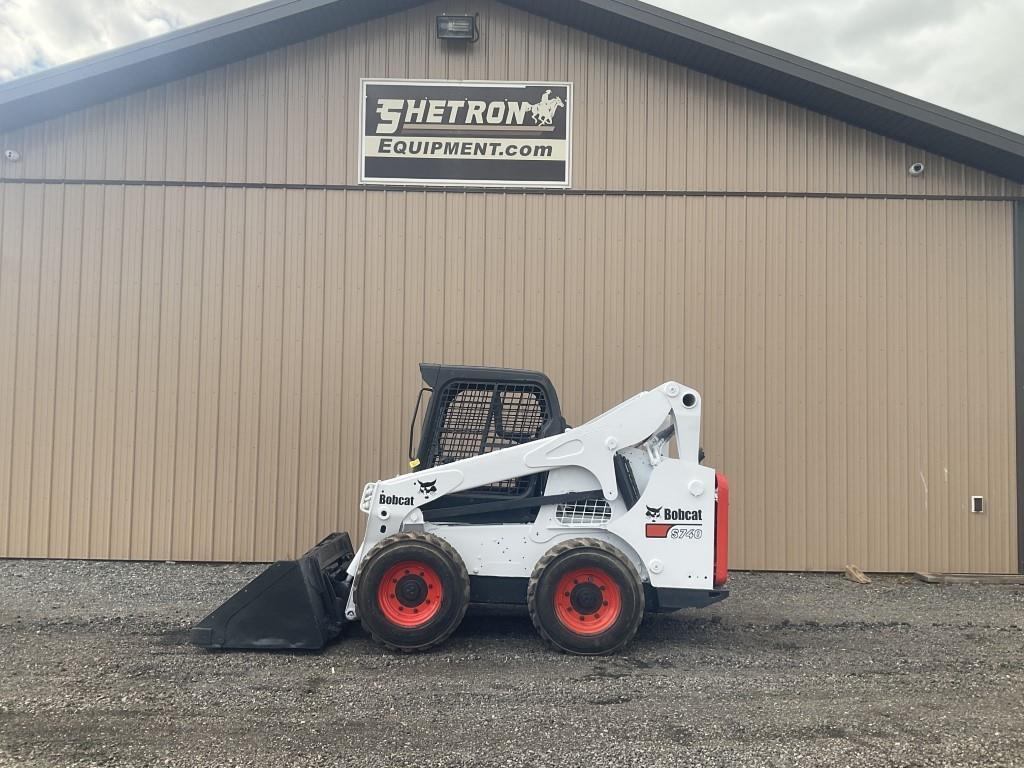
<point x="294" y="604"/>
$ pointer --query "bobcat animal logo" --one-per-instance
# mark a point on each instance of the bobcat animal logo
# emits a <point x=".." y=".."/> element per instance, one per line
<point x="427" y="487"/>
<point x="654" y="512"/>
<point x="543" y="112"/>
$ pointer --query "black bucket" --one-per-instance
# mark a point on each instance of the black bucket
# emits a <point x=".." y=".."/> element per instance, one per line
<point x="294" y="604"/>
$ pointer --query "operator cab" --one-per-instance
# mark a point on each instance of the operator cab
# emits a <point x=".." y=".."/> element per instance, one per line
<point x="477" y="410"/>
<point x="473" y="410"/>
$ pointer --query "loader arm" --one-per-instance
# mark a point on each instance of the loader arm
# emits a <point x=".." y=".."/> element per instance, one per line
<point x="392" y="504"/>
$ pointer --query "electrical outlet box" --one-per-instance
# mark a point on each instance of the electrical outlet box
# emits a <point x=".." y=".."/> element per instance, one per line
<point x="977" y="504"/>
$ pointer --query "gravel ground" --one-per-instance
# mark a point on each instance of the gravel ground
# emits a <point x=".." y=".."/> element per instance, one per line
<point x="792" y="670"/>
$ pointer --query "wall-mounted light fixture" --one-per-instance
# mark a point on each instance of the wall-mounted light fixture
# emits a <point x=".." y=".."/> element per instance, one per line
<point x="12" y="154"/>
<point x="457" y="28"/>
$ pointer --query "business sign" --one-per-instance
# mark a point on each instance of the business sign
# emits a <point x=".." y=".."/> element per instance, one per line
<point x="465" y="133"/>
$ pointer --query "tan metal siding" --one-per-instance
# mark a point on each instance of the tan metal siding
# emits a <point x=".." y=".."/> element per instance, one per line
<point x="213" y="374"/>
<point x="210" y="373"/>
<point x="290" y="116"/>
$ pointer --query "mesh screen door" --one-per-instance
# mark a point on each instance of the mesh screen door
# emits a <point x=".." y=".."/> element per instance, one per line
<point x="478" y="417"/>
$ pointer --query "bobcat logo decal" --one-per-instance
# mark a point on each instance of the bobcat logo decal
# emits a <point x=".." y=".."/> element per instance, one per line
<point x="427" y="487"/>
<point x="654" y="512"/>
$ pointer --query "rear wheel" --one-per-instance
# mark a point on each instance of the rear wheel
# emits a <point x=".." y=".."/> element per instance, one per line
<point x="585" y="597"/>
<point x="412" y="591"/>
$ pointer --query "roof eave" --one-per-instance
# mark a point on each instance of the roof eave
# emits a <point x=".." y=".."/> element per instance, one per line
<point x="180" y="54"/>
<point x="793" y="79"/>
<point x="632" y="23"/>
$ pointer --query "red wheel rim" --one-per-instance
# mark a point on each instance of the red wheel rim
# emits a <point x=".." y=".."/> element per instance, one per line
<point x="410" y="594"/>
<point x="587" y="601"/>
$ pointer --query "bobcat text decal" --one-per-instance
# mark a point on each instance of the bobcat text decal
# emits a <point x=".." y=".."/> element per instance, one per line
<point x="685" y="523"/>
<point x="402" y="501"/>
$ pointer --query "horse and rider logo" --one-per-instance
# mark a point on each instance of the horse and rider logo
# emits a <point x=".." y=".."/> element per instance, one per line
<point x="543" y="112"/>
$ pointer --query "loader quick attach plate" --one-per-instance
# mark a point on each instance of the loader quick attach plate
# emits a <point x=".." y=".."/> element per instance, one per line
<point x="294" y="604"/>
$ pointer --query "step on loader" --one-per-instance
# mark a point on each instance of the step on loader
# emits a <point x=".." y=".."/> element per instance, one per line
<point x="588" y="527"/>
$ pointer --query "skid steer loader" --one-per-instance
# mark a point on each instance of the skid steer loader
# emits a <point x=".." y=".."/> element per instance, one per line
<point x="587" y="527"/>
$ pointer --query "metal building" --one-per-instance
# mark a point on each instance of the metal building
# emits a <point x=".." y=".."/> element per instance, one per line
<point x="212" y="308"/>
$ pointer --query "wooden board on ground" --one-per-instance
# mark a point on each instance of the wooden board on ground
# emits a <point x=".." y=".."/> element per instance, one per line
<point x="970" y="578"/>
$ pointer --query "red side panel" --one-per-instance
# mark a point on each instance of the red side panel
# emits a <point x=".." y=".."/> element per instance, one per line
<point x="658" y="530"/>
<point x="722" y="531"/>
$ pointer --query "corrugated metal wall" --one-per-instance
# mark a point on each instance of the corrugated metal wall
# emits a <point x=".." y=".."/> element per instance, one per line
<point x="209" y="373"/>
<point x="212" y="374"/>
<point x="291" y="116"/>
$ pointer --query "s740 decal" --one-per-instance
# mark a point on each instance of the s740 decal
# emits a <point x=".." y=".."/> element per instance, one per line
<point x="673" y="531"/>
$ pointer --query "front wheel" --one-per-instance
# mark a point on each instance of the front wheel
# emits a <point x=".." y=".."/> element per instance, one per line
<point x="412" y="591"/>
<point x="585" y="597"/>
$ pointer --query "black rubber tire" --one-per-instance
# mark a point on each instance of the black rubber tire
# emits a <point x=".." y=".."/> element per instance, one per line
<point x="454" y="579"/>
<point x="577" y="553"/>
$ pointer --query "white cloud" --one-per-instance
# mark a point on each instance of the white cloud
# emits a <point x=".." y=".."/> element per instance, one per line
<point x="35" y="34"/>
<point x="961" y="54"/>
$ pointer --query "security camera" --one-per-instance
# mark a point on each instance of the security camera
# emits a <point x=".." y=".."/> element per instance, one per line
<point x="13" y="155"/>
<point x="916" y="169"/>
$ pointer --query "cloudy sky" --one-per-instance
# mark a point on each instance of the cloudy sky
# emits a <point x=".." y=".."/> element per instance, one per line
<point x="967" y="55"/>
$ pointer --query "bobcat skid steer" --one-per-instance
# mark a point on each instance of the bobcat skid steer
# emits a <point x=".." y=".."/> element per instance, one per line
<point x="587" y="527"/>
